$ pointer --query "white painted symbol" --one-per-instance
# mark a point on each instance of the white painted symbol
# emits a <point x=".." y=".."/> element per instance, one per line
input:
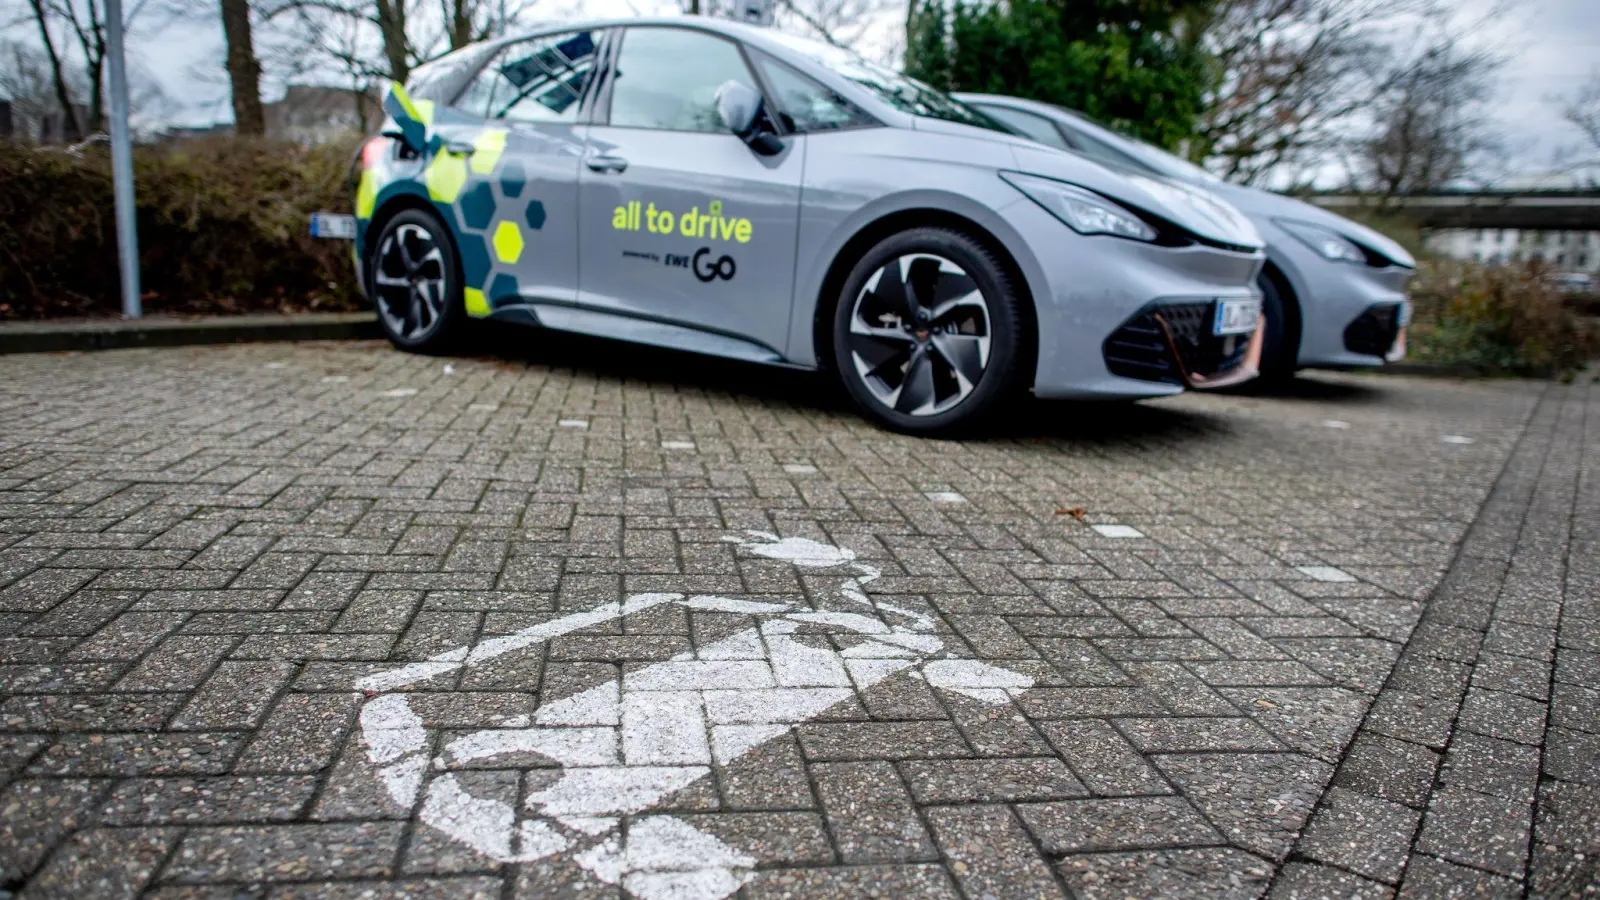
<point x="1117" y="531"/>
<point x="399" y="392"/>
<point x="677" y="445"/>
<point x="1325" y="573"/>
<point x="1335" y="423"/>
<point x="573" y="423"/>
<point x="945" y="497"/>
<point x="1455" y="439"/>
<point x="625" y="745"/>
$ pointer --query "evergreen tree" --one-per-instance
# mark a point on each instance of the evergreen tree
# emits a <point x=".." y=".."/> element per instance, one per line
<point x="1133" y="64"/>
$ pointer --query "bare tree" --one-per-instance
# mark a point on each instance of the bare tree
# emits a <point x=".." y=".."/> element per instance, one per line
<point x="244" y="69"/>
<point x="1291" y="74"/>
<point x="1431" y="129"/>
<point x="69" y="111"/>
<point x="842" y="23"/>
<point x="1582" y="109"/>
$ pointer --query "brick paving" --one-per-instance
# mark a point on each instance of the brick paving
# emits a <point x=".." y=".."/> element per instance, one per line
<point x="1354" y="651"/>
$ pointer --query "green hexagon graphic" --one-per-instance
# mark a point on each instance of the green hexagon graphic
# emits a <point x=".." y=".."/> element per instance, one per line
<point x="445" y="176"/>
<point x="486" y="150"/>
<point x="507" y="242"/>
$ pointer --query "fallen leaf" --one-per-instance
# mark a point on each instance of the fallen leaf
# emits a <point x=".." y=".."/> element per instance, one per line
<point x="1077" y="512"/>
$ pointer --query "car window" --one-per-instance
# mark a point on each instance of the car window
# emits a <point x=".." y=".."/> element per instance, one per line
<point x="1096" y="149"/>
<point x="897" y="90"/>
<point x="808" y="105"/>
<point x="1027" y="124"/>
<point x="667" y="79"/>
<point x="537" y="80"/>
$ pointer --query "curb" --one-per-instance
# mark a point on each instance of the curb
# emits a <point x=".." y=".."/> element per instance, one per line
<point x="118" y="334"/>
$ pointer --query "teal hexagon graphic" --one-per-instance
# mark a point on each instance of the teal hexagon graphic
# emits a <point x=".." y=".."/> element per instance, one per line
<point x="475" y="262"/>
<point x="512" y="179"/>
<point x="477" y="206"/>
<point x="535" y="215"/>
<point x="504" y="288"/>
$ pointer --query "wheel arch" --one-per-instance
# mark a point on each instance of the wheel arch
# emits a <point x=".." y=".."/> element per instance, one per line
<point x="1294" y="318"/>
<point x="872" y="232"/>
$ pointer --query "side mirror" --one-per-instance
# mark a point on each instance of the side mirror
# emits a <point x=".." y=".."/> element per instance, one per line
<point x="739" y="107"/>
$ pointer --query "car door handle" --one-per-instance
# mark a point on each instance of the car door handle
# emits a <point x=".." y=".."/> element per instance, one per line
<point x="460" y="148"/>
<point x="606" y="163"/>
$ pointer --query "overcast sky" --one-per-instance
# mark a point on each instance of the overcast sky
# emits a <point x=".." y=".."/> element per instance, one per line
<point x="1550" y="46"/>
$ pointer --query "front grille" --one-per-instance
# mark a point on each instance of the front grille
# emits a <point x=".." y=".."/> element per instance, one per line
<point x="1374" y="331"/>
<point x="1139" y="348"/>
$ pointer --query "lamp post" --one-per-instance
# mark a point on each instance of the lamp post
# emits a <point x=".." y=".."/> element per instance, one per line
<point x="122" y="162"/>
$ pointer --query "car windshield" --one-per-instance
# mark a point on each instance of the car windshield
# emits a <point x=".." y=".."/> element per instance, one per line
<point x="1152" y="157"/>
<point x="903" y="93"/>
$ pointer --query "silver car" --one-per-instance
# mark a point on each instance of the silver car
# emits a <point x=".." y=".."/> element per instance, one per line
<point x="730" y="190"/>
<point x="1333" y="290"/>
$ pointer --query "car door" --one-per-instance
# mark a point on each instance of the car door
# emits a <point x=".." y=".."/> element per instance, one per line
<point x="512" y="142"/>
<point x="682" y="224"/>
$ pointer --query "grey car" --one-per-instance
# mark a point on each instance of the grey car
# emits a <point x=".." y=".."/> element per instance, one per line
<point x="723" y="189"/>
<point x="1333" y="290"/>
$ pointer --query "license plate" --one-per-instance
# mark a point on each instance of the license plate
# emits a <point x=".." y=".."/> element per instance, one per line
<point x="1237" y="316"/>
<point x="334" y="226"/>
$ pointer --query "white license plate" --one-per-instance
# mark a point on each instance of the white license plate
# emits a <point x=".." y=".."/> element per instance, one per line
<point x="333" y="225"/>
<point x="1237" y="316"/>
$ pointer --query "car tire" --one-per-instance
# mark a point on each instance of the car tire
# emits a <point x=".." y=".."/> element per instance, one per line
<point x="1280" y="341"/>
<point x="929" y="332"/>
<point x="414" y="280"/>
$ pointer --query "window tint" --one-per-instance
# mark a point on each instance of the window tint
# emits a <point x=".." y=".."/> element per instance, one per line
<point x="1027" y="124"/>
<point x="808" y="106"/>
<point x="899" y="91"/>
<point x="667" y="79"/>
<point x="1096" y="149"/>
<point x="538" y="80"/>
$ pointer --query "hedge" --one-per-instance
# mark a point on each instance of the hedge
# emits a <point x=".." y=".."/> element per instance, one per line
<point x="223" y="227"/>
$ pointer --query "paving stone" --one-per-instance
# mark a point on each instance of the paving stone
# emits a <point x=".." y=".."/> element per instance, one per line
<point x="1491" y="766"/>
<point x="1389" y="769"/>
<point x="1106" y="762"/>
<point x="285" y="852"/>
<point x="208" y="800"/>
<point x="990" y="780"/>
<point x="1220" y="872"/>
<point x="104" y="862"/>
<point x="1076" y="826"/>
<point x="929" y="881"/>
<point x="1430" y="878"/>
<point x="1259" y="801"/>
<point x="1310" y="881"/>
<point x="36" y="813"/>
<point x="870" y="813"/>
<point x="1361" y="834"/>
<point x="991" y="854"/>
<point x="1477" y="830"/>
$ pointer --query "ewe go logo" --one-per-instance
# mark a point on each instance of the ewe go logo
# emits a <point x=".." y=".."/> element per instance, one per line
<point x="621" y="747"/>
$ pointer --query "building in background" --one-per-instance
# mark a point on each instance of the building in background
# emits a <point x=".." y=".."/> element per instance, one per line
<point x="1561" y="249"/>
<point x="312" y="114"/>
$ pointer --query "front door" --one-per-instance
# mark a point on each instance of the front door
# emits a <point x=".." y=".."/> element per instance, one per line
<point x="681" y="222"/>
<point x="516" y="138"/>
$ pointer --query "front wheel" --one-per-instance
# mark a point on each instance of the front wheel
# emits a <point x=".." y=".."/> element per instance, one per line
<point x="928" y="332"/>
<point x="414" y="280"/>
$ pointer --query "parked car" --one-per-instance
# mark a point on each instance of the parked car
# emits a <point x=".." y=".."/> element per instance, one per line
<point x="1333" y="290"/>
<point x="725" y="189"/>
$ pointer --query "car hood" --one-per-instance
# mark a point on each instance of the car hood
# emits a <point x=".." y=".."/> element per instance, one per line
<point x="1189" y="207"/>
<point x="1260" y="205"/>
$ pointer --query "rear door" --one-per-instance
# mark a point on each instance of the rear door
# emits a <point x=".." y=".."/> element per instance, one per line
<point x="681" y="222"/>
<point x="512" y="144"/>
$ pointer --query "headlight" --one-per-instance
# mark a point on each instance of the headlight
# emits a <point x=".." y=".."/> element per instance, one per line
<point x="1084" y="211"/>
<point x="1328" y="243"/>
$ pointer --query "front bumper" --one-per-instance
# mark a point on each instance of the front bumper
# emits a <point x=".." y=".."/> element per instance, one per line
<point x="1345" y="310"/>
<point x="1172" y="343"/>
<point x="1088" y="288"/>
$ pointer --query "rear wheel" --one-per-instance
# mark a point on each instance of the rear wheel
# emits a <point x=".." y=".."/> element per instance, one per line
<point x="928" y="332"/>
<point x="415" y="283"/>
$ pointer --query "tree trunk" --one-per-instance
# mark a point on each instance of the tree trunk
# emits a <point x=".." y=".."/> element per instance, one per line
<point x="68" y="111"/>
<point x="244" y="69"/>
<point x="392" y="26"/>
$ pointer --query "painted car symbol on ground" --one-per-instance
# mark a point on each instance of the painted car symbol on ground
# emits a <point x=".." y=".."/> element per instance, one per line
<point x="625" y="745"/>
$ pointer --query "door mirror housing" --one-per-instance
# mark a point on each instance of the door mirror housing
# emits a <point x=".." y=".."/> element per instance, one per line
<point x="740" y="108"/>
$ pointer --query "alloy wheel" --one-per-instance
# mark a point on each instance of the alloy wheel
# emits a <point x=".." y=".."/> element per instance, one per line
<point x="410" y="281"/>
<point x="919" y="334"/>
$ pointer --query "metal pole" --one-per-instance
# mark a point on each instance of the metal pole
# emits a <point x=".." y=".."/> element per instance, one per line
<point x="122" y="163"/>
